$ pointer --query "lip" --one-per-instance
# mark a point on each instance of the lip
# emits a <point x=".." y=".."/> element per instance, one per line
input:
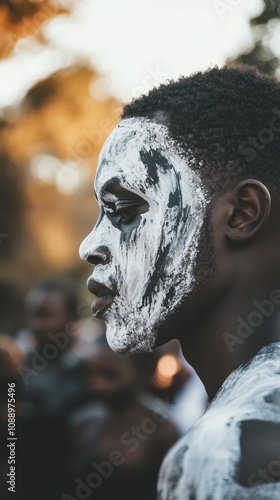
<point x="104" y="297"/>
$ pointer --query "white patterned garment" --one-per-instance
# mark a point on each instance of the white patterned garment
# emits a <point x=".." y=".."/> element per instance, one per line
<point x="211" y="461"/>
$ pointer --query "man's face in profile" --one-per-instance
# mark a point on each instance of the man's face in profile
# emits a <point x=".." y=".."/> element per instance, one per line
<point x="152" y="210"/>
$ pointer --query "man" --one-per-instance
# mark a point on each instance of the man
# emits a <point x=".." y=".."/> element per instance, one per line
<point x="120" y="415"/>
<point x="52" y="375"/>
<point x="188" y="242"/>
<point x="50" y="388"/>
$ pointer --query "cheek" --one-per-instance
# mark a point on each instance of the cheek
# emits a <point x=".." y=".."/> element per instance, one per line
<point x="136" y="257"/>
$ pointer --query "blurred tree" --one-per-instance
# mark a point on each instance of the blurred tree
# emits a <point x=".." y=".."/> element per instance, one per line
<point x="22" y="18"/>
<point x="265" y="28"/>
<point x="11" y="206"/>
<point x="54" y="136"/>
<point x="49" y="144"/>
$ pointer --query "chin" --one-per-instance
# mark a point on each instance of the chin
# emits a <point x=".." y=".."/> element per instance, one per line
<point x="123" y="341"/>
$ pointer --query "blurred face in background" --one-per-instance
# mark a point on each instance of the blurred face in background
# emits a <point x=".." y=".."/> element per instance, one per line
<point x="45" y="313"/>
<point x="111" y="378"/>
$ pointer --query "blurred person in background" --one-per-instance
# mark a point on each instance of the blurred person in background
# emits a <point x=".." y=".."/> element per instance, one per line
<point x="11" y="309"/>
<point x="121" y="436"/>
<point x="51" y="386"/>
<point x="10" y="358"/>
<point x="52" y="373"/>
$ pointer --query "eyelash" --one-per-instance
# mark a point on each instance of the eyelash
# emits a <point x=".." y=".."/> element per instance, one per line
<point x="124" y="210"/>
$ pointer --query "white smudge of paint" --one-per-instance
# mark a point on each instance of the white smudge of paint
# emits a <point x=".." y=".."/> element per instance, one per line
<point x="166" y="238"/>
<point x="204" y="463"/>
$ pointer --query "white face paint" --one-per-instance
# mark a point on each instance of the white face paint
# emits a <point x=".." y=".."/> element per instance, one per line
<point x="142" y="177"/>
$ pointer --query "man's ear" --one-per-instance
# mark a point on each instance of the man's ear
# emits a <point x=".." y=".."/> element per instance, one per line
<point x="248" y="210"/>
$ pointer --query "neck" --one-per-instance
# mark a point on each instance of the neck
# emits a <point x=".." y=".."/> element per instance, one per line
<point x="231" y="335"/>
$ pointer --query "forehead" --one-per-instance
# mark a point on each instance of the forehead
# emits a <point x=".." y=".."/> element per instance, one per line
<point x="136" y="152"/>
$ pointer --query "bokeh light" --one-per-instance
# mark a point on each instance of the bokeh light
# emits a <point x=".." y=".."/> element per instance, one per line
<point x="167" y="367"/>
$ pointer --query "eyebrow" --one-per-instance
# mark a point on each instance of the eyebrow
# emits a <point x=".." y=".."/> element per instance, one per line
<point x="115" y="188"/>
<point x="110" y="185"/>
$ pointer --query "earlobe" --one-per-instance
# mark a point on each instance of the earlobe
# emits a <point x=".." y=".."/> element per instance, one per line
<point x="249" y="209"/>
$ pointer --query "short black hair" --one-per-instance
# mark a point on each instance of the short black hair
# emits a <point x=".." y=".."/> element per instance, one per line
<point x="227" y="118"/>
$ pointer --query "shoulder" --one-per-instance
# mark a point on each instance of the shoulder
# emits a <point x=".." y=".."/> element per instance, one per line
<point x="259" y="462"/>
<point x="172" y="471"/>
<point x="224" y="456"/>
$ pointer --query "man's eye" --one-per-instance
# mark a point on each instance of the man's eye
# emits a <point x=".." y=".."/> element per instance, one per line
<point x="125" y="211"/>
<point x="126" y="214"/>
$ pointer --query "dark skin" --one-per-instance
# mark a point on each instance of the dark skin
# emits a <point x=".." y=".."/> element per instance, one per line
<point x="245" y="235"/>
<point x="113" y="380"/>
<point x="245" y="240"/>
<point x="245" y="225"/>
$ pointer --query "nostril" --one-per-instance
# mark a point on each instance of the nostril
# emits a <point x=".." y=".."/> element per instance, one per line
<point x="92" y="260"/>
<point x="99" y="256"/>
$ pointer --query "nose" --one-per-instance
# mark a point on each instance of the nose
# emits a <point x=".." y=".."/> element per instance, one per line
<point x="93" y="251"/>
<point x="98" y="255"/>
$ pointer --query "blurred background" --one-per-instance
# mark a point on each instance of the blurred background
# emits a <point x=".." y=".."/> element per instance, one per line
<point x="66" y="68"/>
